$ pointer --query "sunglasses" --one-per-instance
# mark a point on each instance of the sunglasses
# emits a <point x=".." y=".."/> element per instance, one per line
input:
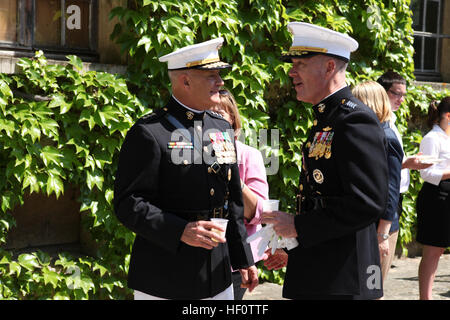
<point x="398" y="95"/>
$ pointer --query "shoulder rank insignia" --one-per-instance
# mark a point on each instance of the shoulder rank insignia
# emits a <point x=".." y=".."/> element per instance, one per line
<point x="321" y="145"/>
<point x="216" y="114"/>
<point x="349" y="103"/>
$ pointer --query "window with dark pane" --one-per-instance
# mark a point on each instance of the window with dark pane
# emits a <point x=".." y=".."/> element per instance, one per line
<point x="432" y="17"/>
<point x="427" y="24"/>
<point x="417" y="17"/>
<point x="429" y="60"/>
<point x="418" y="53"/>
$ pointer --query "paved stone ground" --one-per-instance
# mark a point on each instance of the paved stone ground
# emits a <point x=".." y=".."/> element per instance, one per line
<point x="401" y="284"/>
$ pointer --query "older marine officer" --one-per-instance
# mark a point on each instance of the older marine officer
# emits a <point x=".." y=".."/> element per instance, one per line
<point x="343" y="180"/>
<point x="177" y="169"/>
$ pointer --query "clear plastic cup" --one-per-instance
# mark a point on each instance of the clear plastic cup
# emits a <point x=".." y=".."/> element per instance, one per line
<point x="270" y="205"/>
<point x="223" y="223"/>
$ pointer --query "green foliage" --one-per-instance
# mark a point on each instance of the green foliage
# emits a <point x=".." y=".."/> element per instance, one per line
<point x="70" y="138"/>
<point x="272" y="276"/>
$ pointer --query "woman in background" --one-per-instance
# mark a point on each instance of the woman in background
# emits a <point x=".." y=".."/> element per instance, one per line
<point x="433" y="201"/>
<point x="374" y="96"/>
<point x="253" y="180"/>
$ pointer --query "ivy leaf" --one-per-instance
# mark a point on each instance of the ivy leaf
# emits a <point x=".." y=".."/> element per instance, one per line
<point x="87" y="116"/>
<point x="75" y="62"/>
<point x="107" y="114"/>
<point x="50" y="154"/>
<point x="109" y="195"/>
<point x="31" y="128"/>
<point x="28" y="261"/>
<point x="94" y="179"/>
<point x="58" y="101"/>
<point x="14" y="267"/>
<point x="100" y="268"/>
<point x="6" y="201"/>
<point x="43" y="258"/>
<point x="31" y="181"/>
<point x="54" y="184"/>
<point x="8" y="126"/>
<point x="51" y="277"/>
<point x="49" y="127"/>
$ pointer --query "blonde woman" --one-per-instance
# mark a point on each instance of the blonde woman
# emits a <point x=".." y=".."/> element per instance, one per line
<point x="374" y="96"/>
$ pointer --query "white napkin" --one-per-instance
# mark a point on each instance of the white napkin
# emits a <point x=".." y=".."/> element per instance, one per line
<point x="269" y="238"/>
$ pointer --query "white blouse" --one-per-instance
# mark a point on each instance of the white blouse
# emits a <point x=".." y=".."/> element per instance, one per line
<point x="436" y="143"/>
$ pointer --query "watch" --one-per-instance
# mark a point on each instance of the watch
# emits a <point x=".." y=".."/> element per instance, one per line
<point x="384" y="236"/>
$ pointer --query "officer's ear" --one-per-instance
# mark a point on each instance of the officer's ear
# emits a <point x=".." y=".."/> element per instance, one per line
<point x="185" y="80"/>
<point x="331" y="66"/>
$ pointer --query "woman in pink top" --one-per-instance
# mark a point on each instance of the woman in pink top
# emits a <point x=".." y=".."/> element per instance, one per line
<point x="253" y="180"/>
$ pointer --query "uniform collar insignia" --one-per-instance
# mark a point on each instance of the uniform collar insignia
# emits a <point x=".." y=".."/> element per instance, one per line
<point x="321" y="107"/>
<point x="190" y="115"/>
<point x="183" y="114"/>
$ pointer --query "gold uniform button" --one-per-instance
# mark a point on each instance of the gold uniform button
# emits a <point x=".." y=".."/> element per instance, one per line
<point x="211" y="192"/>
<point x="185" y="162"/>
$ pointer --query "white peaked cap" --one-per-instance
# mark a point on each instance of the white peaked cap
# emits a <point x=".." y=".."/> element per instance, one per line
<point x="204" y="55"/>
<point x="309" y="39"/>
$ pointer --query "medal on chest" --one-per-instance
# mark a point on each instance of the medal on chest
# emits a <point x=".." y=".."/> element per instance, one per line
<point x="223" y="147"/>
<point x="321" y="144"/>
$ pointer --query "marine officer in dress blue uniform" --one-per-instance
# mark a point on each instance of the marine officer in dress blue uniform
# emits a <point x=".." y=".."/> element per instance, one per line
<point x="343" y="185"/>
<point x="177" y="170"/>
